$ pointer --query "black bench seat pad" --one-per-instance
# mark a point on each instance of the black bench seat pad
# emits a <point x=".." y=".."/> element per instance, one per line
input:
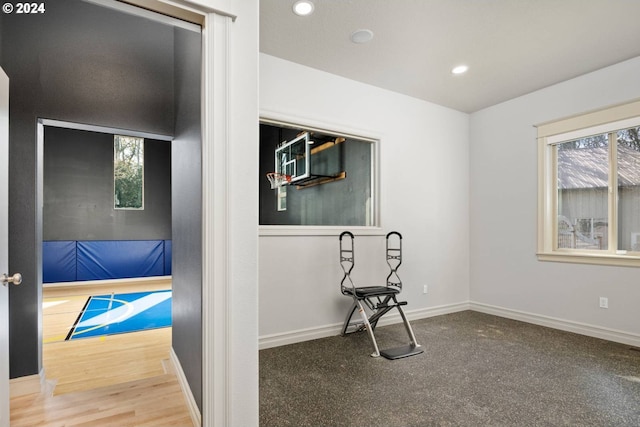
<point x="372" y="291"/>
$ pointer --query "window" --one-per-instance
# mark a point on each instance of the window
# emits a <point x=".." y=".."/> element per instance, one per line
<point x="281" y="193"/>
<point x="589" y="188"/>
<point x="128" y="172"/>
<point x="328" y="177"/>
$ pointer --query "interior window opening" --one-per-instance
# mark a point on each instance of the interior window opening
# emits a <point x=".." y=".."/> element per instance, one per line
<point x="311" y="177"/>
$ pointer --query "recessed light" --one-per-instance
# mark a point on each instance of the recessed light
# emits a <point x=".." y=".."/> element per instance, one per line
<point x="460" y="69"/>
<point x="303" y="7"/>
<point x="362" y="36"/>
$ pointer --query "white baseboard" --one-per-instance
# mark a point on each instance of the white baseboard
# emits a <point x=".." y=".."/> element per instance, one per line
<point x="301" y="335"/>
<point x="308" y="334"/>
<point x="561" y="324"/>
<point x="196" y="416"/>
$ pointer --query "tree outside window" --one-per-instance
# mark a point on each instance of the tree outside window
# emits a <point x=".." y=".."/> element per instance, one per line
<point x="128" y="172"/>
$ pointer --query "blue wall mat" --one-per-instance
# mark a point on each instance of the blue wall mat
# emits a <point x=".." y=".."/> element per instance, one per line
<point x="59" y="261"/>
<point x="167" y="257"/>
<point x="113" y="259"/>
<point x="120" y="313"/>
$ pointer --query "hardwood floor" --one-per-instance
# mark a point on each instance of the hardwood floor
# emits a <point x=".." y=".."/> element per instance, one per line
<point x="156" y="401"/>
<point x="116" y="380"/>
<point x="90" y="363"/>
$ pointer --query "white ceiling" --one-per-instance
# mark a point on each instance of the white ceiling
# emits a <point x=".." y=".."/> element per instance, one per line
<point x="512" y="47"/>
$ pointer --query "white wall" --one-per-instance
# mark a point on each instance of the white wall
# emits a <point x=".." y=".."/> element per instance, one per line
<point x="242" y="217"/>
<point x="424" y="164"/>
<point x="505" y="273"/>
<point x="230" y="391"/>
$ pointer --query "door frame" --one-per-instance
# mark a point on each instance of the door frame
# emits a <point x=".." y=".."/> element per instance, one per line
<point x="229" y="337"/>
<point x="4" y="253"/>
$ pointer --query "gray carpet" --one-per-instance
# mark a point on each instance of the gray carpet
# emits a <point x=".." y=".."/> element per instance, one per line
<point x="477" y="370"/>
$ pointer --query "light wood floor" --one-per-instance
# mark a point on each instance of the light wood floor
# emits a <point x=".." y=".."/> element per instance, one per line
<point x="119" y="380"/>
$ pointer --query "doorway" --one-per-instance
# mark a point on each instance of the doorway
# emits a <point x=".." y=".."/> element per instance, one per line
<point x="227" y="343"/>
<point x="65" y="68"/>
<point x="96" y="254"/>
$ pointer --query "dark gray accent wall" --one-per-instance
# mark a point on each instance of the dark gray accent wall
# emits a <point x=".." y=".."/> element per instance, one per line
<point x="78" y="189"/>
<point x="187" y="211"/>
<point x="77" y="62"/>
<point x="1" y="25"/>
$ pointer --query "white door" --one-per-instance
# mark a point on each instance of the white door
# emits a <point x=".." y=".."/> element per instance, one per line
<point x="4" y="249"/>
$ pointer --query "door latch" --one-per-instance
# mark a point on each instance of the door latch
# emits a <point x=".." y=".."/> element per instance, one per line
<point x="16" y="279"/>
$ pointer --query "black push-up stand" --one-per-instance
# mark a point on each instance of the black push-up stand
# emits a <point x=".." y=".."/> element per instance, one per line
<point x="378" y="299"/>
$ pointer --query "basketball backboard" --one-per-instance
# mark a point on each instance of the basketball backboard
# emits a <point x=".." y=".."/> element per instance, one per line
<point x="292" y="158"/>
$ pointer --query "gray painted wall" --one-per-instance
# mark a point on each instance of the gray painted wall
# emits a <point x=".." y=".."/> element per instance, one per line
<point x="81" y="63"/>
<point x="187" y="211"/>
<point x="505" y="274"/>
<point x="78" y="189"/>
<point x="1" y="26"/>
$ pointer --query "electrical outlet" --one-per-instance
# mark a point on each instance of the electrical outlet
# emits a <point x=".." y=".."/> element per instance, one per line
<point x="425" y="289"/>
<point x="604" y="302"/>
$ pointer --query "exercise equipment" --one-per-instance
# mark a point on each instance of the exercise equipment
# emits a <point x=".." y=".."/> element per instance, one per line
<point x="378" y="299"/>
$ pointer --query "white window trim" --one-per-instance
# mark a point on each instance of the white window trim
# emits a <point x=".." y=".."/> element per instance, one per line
<point x="318" y="230"/>
<point x="276" y="118"/>
<point x="551" y="133"/>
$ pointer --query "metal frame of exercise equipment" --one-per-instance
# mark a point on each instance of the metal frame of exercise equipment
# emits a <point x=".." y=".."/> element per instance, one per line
<point x="378" y="299"/>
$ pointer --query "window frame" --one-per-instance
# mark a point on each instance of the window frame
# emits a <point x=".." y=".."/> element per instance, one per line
<point x="550" y="134"/>
<point x="282" y="119"/>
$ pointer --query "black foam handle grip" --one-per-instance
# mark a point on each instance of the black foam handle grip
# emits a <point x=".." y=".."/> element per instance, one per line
<point x="394" y="232"/>
<point x="346" y="233"/>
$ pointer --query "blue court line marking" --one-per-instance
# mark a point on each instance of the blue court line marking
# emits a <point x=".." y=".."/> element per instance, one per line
<point x="132" y="312"/>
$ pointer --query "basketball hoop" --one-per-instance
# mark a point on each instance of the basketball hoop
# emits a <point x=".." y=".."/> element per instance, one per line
<point x="278" y="179"/>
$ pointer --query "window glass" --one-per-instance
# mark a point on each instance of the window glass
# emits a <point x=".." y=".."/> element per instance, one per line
<point x="583" y="187"/>
<point x="628" y="160"/>
<point x="282" y="198"/>
<point x="329" y="177"/>
<point x="128" y="172"/>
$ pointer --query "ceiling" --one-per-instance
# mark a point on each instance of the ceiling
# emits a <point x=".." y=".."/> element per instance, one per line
<point x="512" y="47"/>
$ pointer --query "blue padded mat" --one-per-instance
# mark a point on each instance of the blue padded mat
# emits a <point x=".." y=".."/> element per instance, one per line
<point x="70" y="260"/>
<point x="116" y="259"/>
<point x="121" y="313"/>
<point x="59" y="261"/>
